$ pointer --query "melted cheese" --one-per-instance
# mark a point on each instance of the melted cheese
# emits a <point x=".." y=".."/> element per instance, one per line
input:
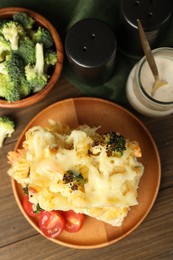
<point x="111" y="182"/>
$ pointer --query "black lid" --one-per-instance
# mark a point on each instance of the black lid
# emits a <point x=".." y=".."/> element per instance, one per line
<point x="90" y="47"/>
<point x="154" y="16"/>
<point x="152" y="13"/>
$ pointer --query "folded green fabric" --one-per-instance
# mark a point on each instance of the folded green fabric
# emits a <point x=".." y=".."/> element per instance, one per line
<point x="64" y="13"/>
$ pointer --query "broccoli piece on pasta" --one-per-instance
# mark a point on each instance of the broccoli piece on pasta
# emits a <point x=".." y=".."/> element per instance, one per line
<point x="114" y="143"/>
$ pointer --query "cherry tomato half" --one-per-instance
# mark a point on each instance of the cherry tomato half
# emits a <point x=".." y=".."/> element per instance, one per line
<point x="51" y="223"/>
<point x="27" y="205"/>
<point x="73" y="221"/>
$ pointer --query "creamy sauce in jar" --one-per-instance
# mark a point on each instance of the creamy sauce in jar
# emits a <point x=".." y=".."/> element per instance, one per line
<point x="165" y="69"/>
<point x="140" y="82"/>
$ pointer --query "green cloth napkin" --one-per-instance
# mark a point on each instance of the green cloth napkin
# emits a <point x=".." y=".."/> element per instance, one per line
<point x="64" y="13"/>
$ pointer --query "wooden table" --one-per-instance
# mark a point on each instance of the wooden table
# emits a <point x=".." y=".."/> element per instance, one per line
<point x="153" y="239"/>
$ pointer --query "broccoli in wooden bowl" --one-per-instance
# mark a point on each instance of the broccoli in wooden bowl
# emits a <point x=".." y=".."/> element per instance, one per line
<point x="31" y="57"/>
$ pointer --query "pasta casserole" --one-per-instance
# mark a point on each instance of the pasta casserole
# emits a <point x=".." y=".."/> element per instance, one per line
<point x="79" y="169"/>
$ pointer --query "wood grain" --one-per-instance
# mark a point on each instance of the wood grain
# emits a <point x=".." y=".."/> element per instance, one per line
<point x="153" y="239"/>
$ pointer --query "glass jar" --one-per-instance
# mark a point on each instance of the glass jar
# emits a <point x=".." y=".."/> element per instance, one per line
<point x="141" y="80"/>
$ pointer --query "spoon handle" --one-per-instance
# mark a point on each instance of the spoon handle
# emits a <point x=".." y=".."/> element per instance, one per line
<point x="147" y="50"/>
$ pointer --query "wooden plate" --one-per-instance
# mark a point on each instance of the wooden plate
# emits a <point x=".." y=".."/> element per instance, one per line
<point x="98" y="112"/>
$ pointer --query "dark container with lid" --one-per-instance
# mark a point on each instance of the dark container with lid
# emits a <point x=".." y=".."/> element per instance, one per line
<point x="154" y="16"/>
<point x="90" y="46"/>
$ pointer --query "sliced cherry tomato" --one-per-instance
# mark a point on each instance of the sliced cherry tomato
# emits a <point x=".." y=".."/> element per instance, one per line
<point x="27" y="205"/>
<point x="51" y="223"/>
<point x="73" y="220"/>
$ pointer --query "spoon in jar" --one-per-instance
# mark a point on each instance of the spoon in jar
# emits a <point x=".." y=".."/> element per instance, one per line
<point x="150" y="59"/>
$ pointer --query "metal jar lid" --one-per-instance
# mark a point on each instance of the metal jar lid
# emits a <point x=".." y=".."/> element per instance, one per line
<point x="154" y="16"/>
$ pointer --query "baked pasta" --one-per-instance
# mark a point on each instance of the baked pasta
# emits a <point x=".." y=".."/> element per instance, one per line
<point x="79" y="169"/>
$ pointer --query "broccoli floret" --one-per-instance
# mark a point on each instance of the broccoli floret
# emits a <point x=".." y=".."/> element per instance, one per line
<point x="6" y="128"/>
<point x="5" y="48"/>
<point x="24" y="19"/>
<point x="75" y="180"/>
<point x="27" y="50"/>
<point x="115" y="144"/>
<point x="13" y="83"/>
<point x="12" y="91"/>
<point x="42" y="35"/>
<point x="50" y="59"/>
<point x="35" y="74"/>
<point x="9" y="83"/>
<point x="8" y="89"/>
<point x="12" y="31"/>
<point x="23" y="85"/>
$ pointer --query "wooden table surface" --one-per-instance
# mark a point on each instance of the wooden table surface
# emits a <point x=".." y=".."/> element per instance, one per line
<point x="153" y="239"/>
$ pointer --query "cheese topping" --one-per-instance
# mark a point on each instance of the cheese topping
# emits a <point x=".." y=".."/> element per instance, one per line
<point x="67" y="169"/>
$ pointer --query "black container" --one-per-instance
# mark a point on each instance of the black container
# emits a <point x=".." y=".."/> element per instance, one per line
<point x="90" y="46"/>
<point x="154" y="16"/>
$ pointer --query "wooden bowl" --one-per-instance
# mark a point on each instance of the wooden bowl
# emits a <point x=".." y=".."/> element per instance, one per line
<point x="43" y="22"/>
<point x="99" y="112"/>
